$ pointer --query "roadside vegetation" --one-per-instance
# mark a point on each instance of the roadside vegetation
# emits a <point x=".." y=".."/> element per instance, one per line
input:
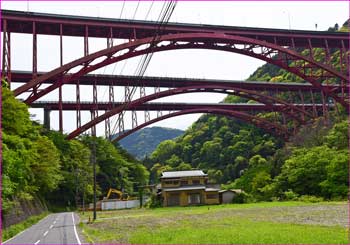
<point x="39" y="163"/>
<point x="263" y="223"/>
<point x="13" y="230"/>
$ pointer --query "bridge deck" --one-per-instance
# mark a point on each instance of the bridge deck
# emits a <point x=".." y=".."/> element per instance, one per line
<point x="168" y="82"/>
<point x="49" y="24"/>
<point x="163" y="106"/>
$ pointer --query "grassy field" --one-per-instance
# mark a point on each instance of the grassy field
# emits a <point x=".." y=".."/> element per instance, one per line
<point x="275" y="222"/>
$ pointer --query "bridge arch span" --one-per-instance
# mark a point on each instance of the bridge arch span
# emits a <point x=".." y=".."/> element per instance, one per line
<point x="268" y="52"/>
<point x="278" y="130"/>
<point x="294" y="112"/>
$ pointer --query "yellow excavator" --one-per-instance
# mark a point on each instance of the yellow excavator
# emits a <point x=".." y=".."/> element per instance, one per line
<point x="121" y="196"/>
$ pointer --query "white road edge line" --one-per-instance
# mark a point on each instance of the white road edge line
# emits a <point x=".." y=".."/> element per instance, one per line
<point x="75" y="230"/>
<point x="24" y="230"/>
<point x="37" y="242"/>
<point x="46" y="233"/>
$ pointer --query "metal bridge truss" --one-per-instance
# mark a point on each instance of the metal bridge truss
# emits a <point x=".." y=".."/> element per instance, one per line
<point x="294" y="51"/>
<point x="306" y="107"/>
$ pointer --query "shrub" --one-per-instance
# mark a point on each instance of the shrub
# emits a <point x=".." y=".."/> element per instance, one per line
<point x="154" y="202"/>
<point x="290" y="195"/>
<point x="242" y="197"/>
<point x="308" y="198"/>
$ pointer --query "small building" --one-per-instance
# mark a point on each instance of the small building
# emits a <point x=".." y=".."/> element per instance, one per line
<point x="226" y="196"/>
<point x="183" y="188"/>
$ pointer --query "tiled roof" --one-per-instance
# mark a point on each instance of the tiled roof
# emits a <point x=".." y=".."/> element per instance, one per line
<point x="178" y="174"/>
<point x="185" y="188"/>
<point x="232" y="190"/>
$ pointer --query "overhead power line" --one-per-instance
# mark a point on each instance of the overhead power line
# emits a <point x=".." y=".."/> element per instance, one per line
<point x="164" y="16"/>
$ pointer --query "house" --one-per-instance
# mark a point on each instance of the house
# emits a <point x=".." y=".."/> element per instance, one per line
<point x="183" y="188"/>
<point x="226" y="196"/>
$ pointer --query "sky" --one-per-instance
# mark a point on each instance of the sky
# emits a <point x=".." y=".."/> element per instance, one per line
<point x="299" y="15"/>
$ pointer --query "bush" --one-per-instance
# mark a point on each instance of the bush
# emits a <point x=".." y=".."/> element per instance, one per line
<point x="242" y="197"/>
<point x="308" y="198"/>
<point x="154" y="202"/>
<point x="290" y="195"/>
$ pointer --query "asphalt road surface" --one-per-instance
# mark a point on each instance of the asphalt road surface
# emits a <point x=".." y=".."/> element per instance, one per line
<point x="54" y="229"/>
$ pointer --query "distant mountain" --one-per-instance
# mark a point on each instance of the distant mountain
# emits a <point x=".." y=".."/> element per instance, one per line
<point x="145" y="141"/>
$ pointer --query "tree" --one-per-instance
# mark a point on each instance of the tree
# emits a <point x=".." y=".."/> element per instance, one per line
<point x="15" y="115"/>
<point x="163" y="151"/>
<point x="338" y="137"/>
<point x="46" y="166"/>
<point x="336" y="184"/>
<point x="306" y="169"/>
<point x="184" y="166"/>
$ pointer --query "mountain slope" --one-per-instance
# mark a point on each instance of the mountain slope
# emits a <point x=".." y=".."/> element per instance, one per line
<point x="245" y="157"/>
<point x="145" y="141"/>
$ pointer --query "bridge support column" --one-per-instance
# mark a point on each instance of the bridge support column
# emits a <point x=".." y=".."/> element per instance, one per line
<point x="47" y="119"/>
<point x="35" y="57"/>
<point x="78" y="104"/>
<point x="60" y="113"/>
<point x="6" y="54"/>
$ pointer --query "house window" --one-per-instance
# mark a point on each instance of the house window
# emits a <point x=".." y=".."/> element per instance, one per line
<point x="184" y="182"/>
<point x="194" y="198"/>
<point x="212" y="196"/>
<point x="171" y="182"/>
<point x="196" y="182"/>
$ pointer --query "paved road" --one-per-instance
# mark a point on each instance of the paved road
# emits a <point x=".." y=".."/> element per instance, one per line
<point x="54" y="229"/>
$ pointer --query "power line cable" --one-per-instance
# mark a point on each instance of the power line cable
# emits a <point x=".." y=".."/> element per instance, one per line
<point x="142" y="66"/>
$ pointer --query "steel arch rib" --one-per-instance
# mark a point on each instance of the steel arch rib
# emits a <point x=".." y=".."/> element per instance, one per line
<point x="279" y="131"/>
<point x="182" y="90"/>
<point x="200" y="40"/>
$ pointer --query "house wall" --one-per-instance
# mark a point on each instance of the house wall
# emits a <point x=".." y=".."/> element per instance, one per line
<point x="176" y="182"/>
<point x="227" y="196"/>
<point x="209" y="197"/>
<point x="183" y="196"/>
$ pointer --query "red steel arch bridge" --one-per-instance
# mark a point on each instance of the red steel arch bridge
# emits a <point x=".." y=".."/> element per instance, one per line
<point x="326" y="79"/>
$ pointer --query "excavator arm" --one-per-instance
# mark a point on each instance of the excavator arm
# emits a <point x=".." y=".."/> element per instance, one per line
<point x="122" y="196"/>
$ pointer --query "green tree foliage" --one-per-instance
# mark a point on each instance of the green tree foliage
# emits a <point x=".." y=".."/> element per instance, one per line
<point x="37" y="162"/>
<point x="15" y="115"/>
<point x="215" y="144"/>
<point x="143" y="142"/>
<point x="239" y="155"/>
<point x="46" y="166"/>
<point x="318" y="171"/>
<point x="116" y="169"/>
<point x="76" y="171"/>
<point x="30" y="162"/>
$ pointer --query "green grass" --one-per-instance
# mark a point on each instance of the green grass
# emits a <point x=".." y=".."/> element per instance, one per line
<point x="273" y="222"/>
<point x="12" y="230"/>
<point x="233" y="231"/>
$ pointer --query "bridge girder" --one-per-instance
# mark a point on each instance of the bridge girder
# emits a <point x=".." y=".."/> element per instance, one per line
<point x="175" y="82"/>
<point x="49" y="24"/>
<point x="268" y="52"/>
<point x="296" y="113"/>
<point x="275" y="129"/>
